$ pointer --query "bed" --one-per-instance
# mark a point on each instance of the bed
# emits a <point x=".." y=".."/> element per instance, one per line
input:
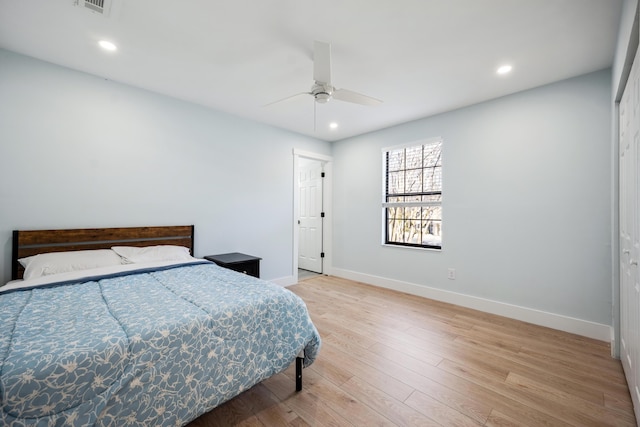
<point x="157" y="339"/>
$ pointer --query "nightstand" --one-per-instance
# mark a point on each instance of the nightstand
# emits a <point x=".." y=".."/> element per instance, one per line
<point x="236" y="261"/>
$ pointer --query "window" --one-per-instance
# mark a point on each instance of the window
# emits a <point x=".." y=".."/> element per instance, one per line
<point x="413" y="195"/>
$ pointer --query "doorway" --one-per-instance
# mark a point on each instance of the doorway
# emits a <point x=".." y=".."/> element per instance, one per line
<point x="310" y="215"/>
<point x="629" y="238"/>
<point x="312" y="219"/>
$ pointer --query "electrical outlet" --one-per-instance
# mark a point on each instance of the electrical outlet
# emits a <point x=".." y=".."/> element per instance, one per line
<point x="451" y="274"/>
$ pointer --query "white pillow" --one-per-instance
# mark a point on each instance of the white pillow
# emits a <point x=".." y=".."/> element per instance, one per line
<point x="134" y="255"/>
<point x="62" y="262"/>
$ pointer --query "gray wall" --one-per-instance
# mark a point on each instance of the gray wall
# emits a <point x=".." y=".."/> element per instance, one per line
<point x="527" y="183"/>
<point x="79" y="151"/>
<point x="526" y="201"/>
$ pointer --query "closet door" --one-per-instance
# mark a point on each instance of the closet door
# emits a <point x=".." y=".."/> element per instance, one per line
<point x="630" y="233"/>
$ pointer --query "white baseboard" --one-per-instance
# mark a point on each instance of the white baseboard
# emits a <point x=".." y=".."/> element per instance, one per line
<point x="555" y="321"/>
<point x="284" y="281"/>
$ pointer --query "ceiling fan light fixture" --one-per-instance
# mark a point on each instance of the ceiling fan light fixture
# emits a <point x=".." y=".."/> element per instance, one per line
<point x="322" y="97"/>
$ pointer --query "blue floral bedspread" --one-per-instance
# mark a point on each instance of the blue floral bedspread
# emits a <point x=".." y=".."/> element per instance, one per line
<point x="155" y="348"/>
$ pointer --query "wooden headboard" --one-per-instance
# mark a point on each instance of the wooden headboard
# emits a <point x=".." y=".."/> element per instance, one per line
<point x="33" y="242"/>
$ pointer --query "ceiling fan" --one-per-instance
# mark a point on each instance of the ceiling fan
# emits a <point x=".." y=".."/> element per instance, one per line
<point x="322" y="90"/>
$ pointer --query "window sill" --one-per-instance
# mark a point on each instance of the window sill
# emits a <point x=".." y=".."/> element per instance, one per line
<point x="412" y="248"/>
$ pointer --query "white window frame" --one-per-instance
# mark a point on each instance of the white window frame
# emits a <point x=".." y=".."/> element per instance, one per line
<point x="386" y="204"/>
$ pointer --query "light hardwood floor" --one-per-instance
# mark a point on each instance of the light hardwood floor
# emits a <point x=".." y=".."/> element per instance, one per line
<point x="391" y="359"/>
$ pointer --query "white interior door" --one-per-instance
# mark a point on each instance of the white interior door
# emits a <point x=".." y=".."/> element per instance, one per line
<point x="310" y="219"/>
<point x="629" y="126"/>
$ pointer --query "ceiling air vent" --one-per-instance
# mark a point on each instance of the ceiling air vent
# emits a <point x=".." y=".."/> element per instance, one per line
<point x="97" y="6"/>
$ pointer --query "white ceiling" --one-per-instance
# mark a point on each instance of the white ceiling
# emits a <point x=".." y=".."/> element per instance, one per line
<point x="421" y="57"/>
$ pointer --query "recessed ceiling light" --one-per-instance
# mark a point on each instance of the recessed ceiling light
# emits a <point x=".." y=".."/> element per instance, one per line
<point x="106" y="45"/>
<point x="505" y="69"/>
<point x="333" y="125"/>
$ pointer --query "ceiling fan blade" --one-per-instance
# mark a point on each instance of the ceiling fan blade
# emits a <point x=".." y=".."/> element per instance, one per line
<point x="321" y="62"/>
<point x="287" y="98"/>
<point x="355" y="97"/>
